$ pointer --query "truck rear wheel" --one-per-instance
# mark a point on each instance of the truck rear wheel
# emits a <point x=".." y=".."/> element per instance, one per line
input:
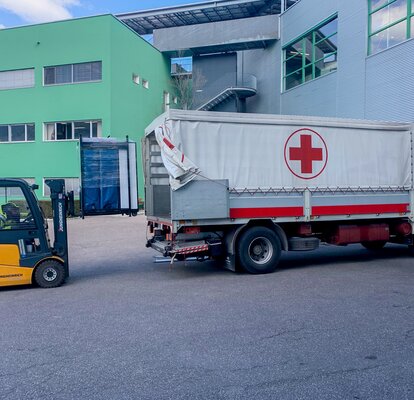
<point x="259" y="250"/>
<point x="50" y="274"/>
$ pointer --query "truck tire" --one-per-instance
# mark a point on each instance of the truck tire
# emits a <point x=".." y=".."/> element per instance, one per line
<point x="259" y="250"/>
<point x="49" y="274"/>
<point x="374" y="246"/>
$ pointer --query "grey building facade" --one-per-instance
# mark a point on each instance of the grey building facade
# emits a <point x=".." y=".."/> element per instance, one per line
<point x="336" y="58"/>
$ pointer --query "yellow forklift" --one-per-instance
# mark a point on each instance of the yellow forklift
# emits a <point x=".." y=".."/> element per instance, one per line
<point x="26" y="254"/>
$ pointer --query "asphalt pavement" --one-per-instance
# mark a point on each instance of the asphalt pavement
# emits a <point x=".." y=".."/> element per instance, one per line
<point x="337" y="323"/>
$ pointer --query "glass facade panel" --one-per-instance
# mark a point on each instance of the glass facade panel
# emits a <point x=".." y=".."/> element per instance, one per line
<point x="326" y="65"/>
<point x="390" y="24"/>
<point x="388" y="37"/>
<point x="327" y="30"/>
<point x="388" y="15"/>
<point x="378" y="3"/>
<point x="308" y="73"/>
<point x="18" y="133"/>
<point x="294" y="56"/>
<point x="312" y="55"/>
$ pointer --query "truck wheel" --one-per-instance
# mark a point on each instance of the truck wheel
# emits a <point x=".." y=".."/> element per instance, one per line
<point x="259" y="250"/>
<point x="374" y="246"/>
<point x="50" y="274"/>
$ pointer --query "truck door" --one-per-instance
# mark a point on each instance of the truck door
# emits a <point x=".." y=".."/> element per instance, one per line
<point x="22" y="236"/>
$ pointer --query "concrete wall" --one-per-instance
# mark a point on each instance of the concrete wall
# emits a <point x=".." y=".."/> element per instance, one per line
<point x="264" y="64"/>
<point x="226" y="33"/>
<point x="211" y="75"/>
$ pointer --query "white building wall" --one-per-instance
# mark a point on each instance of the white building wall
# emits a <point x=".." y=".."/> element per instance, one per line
<point x="390" y="84"/>
<point x="378" y="87"/>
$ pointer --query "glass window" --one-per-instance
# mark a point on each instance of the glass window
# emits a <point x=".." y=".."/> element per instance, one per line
<point x="18" y="133"/>
<point x="63" y="131"/>
<point x="312" y="55"/>
<point x="388" y="37"/>
<point x="389" y="23"/>
<point x="181" y="66"/>
<point x="50" y="76"/>
<point x="96" y="73"/>
<point x="22" y="78"/>
<point x="30" y="132"/>
<point x="387" y="15"/>
<point x="378" y="3"/>
<point x="82" y="129"/>
<point x="63" y="74"/>
<point x="95" y="126"/>
<point x="4" y="133"/>
<point x="82" y="72"/>
<point x="72" y="130"/>
<point x="71" y="184"/>
<point x="73" y="73"/>
<point x="14" y="210"/>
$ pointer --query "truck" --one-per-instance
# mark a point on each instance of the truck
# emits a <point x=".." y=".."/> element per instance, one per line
<point x="242" y="188"/>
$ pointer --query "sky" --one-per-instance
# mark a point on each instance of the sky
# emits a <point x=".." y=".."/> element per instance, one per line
<point x="24" y="12"/>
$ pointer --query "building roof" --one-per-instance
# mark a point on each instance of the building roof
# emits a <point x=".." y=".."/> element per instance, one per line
<point x="144" y="22"/>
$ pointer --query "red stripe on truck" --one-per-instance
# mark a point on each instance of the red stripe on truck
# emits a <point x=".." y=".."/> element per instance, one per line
<point x="263" y="212"/>
<point x="168" y="143"/>
<point x="360" y="209"/>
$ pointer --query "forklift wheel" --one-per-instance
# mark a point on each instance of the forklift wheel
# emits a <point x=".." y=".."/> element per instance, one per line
<point x="49" y="274"/>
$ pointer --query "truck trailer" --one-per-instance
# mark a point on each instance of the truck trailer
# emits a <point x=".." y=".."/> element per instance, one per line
<point x="242" y="188"/>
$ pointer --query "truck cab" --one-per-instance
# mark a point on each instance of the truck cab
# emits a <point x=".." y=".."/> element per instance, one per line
<point x="26" y="254"/>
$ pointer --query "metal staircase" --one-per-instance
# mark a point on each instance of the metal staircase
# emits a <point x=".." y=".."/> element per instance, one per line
<point x="242" y="90"/>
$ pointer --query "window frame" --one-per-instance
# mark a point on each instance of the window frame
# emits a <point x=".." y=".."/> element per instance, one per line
<point x="304" y="63"/>
<point x="72" y="82"/>
<point x="9" y="133"/>
<point x="73" y="139"/>
<point x="408" y="19"/>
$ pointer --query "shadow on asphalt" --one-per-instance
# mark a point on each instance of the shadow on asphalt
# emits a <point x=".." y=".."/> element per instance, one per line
<point x="341" y="255"/>
<point x="325" y="256"/>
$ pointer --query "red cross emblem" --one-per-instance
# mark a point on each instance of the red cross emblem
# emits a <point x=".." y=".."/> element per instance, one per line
<point x="306" y="153"/>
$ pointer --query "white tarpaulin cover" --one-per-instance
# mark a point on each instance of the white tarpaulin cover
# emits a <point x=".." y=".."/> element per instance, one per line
<point x="180" y="168"/>
<point x="287" y="153"/>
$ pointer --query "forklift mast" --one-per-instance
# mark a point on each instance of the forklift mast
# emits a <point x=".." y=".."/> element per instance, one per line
<point x="58" y="196"/>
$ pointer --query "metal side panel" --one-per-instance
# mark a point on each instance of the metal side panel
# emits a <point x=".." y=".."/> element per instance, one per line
<point x="201" y="200"/>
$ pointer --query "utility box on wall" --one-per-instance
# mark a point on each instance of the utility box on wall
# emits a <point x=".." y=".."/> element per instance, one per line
<point x="108" y="177"/>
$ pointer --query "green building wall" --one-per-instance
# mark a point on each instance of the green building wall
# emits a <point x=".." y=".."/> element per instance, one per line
<point x="124" y="107"/>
